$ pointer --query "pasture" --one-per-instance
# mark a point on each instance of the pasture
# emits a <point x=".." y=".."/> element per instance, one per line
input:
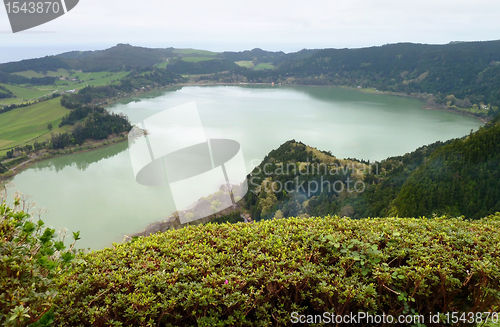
<point x="24" y="124"/>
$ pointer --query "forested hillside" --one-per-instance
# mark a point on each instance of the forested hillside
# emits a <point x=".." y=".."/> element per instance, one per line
<point x="463" y="75"/>
<point x="467" y="70"/>
<point x="459" y="177"/>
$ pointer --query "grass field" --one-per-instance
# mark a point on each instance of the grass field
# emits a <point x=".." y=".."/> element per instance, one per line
<point x="28" y="93"/>
<point x="23" y="124"/>
<point x="9" y="101"/>
<point x="196" y="52"/>
<point x="29" y="74"/>
<point x="61" y="72"/>
<point x="24" y="94"/>
<point x="245" y="63"/>
<point x="196" y="59"/>
<point x="99" y="78"/>
<point x="263" y="66"/>
<point x="163" y="65"/>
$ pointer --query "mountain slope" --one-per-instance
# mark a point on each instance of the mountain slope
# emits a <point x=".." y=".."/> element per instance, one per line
<point x="455" y="178"/>
<point x="460" y="178"/>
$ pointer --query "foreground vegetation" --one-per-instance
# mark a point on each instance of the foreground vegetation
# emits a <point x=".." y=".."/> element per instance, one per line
<point x="454" y="178"/>
<point x="21" y="125"/>
<point x="31" y="259"/>
<point x="258" y="274"/>
<point x="249" y="274"/>
<point x="461" y="76"/>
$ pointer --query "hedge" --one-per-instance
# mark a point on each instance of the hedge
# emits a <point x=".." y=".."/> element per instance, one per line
<point x="30" y="259"/>
<point x="258" y="274"/>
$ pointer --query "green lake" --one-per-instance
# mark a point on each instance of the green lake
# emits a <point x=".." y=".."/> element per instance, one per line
<point x="96" y="192"/>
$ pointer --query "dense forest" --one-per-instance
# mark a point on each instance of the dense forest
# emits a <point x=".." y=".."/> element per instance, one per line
<point x="460" y="74"/>
<point x="135" y="80"/>
<point x="202" y="67"/>
<point x="4" y="93"/>
<point x="460" y="177"/>
<point x="17" y="79"/>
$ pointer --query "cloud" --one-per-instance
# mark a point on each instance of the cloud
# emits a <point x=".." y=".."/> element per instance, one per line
<point x="287" y="25"/>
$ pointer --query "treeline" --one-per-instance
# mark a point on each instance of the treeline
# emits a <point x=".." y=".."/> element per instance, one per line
<point x="201" y="67"/>
<point x="87" y="95"/>
<point x="459" y="75"/>
<point x="98" y="125"/>
<point x="293" y="181"/>
<point x="118" y="58"/>
<point x="255" y="55"/>
<point x="26" y="104"/>
<point x="5" y="93"/>
<point x="17" y="79"/>
<point x="78" y="113"/>
<point x="27" y="148"/>
<point x="48" y="63"/>
<point x="91" y="122"/>
<point x="149" y="78"/>
<point x="137" y="79"/>
<point x="459" y="177"/>
<point x="468" y="71"/>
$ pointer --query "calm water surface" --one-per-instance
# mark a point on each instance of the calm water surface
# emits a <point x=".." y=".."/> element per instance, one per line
<point x="95" y="192"/>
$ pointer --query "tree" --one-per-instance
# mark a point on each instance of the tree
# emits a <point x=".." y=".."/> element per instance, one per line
<point x="49" y="126"/>
<point x="278" y="214"/>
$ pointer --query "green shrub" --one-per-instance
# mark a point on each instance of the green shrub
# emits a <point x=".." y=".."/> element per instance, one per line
<point x="29" y="261"/>
<point x="258" y="274"/>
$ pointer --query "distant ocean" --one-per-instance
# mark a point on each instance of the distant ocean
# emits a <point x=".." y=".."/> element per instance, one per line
<point x="16" y="53"/>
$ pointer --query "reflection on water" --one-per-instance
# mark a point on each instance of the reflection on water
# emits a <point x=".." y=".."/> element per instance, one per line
<point x="96" y="192"/>
<point x="83" y="160"/>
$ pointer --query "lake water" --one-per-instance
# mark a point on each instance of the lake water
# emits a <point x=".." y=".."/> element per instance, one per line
<point x="96" y="192"/>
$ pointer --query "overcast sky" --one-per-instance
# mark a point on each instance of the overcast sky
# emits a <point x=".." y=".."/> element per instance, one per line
<point x="220" y="25"/>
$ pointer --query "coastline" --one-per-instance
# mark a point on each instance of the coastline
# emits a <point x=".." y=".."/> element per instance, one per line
<point x="114" y="140"/>
<point x="420" y="96"/>
<point x="5" y="177"/>
<point x="483" y="120"/>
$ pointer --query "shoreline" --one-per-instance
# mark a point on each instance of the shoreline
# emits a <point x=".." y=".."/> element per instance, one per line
<point x="5" y="177"/>
<point x="482" y="120"/>
<point x="24" y="165"/>
<point x="419" y="96"/>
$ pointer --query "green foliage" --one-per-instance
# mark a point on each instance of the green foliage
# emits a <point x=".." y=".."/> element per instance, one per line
<point x="16" y="79"/>
<point x="201" y="67"/>
<point x="25" y="123"/>
<point x="30" y="259"/>
<point x="256" y="55"/>
<point x="460" y="178"/>
<point x="454" y="178"/>
<point x="257" y="274"/>
<point x="135" y="80"/>
<point x="5" y="93"/>
<point x="98" y="125"/>
<point x="468" y="71"/>
<point x="117" y="58"/>
<point x="39" y="65"/>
